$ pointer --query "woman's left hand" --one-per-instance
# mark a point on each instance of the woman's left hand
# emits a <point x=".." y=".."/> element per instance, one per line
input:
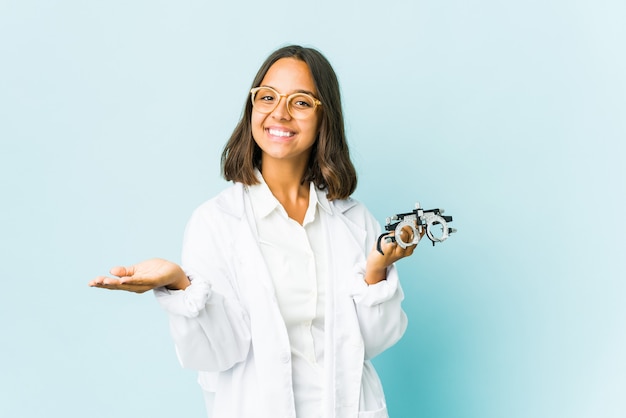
<point x="377" y="263"/>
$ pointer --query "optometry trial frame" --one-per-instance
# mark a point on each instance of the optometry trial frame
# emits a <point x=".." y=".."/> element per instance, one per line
<point x="417" y="221"/>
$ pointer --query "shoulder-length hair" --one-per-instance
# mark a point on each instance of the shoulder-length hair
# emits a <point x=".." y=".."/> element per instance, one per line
<point x="329" y="165"/>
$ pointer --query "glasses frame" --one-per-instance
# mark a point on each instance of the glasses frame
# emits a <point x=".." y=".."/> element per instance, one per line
<point x="287" y="97"/>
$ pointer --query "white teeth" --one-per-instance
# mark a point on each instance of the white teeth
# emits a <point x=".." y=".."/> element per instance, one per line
<point x="275" y="132"/>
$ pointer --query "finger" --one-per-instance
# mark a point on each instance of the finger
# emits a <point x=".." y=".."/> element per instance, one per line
<point x="109" y="281"/>
<point x="124" y="287"/>
<point x="100" y="280"/>
<point x="407" y="234"/>
<point x="95" y="281"/>
<point x="386" y="237"/>
<point x="397" y="251"/>
<point x="409" y="250"/>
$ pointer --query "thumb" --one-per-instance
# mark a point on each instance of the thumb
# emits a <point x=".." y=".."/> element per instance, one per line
<point x="121" y="271"/>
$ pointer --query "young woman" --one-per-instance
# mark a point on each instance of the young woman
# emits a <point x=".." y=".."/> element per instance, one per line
<point x="282" y="298"/>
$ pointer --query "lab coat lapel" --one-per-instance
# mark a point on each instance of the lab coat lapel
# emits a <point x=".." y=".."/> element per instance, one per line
<point x="251" y="263"/>
<point x="347" y="243"/>
<point x="270" y="340"/>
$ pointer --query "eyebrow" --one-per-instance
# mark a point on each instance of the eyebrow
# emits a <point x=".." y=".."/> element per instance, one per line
<point x="297" y="91"/>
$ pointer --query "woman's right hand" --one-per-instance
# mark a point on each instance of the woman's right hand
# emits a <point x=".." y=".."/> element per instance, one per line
<point x="144" y="276"/>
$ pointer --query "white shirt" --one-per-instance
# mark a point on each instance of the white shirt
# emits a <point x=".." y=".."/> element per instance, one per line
<point x="298" y="265"/>
<point x="227" y="324"/>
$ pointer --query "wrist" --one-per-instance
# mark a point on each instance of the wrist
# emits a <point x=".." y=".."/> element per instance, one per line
<point x="375" y="275"/>
<point x="181" y="282"/>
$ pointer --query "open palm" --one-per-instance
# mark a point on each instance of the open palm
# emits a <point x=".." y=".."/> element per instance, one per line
<point x="144" y="276"/>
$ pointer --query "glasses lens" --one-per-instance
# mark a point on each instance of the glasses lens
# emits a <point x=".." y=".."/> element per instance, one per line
<point x="301" y="105"/>
<point x="265" y="100"/>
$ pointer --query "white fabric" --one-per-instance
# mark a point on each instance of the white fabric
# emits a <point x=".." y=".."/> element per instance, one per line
<point x="239" y="341"/>
<point x="297" y="261"/>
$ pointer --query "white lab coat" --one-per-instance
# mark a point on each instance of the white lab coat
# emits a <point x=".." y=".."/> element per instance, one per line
<point x="227" y="324"/>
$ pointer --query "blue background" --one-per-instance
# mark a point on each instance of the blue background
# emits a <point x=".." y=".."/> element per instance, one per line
<point x="510" y="115"/>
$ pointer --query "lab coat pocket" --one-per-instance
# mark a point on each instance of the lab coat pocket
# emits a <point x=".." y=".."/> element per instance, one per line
<point x="380" y="413"/>
<point x="208" y="381"/>
<point x="372" y="400"/>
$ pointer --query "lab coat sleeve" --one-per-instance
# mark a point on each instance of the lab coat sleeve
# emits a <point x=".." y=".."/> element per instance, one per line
<point x="381" y="318"/>
<point x="210" y="329"/>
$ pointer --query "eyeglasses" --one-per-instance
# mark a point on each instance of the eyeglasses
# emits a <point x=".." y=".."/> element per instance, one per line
<point x="299" y="105"/>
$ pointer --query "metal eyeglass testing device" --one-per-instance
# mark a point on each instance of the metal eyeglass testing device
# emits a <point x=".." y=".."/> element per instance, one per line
<point x="417" y="221"/>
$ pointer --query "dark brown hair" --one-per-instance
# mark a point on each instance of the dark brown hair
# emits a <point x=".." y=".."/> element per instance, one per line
<point x="329" y="166"/>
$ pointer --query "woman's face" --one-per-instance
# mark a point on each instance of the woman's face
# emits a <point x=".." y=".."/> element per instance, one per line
<point x="278" y="134"/>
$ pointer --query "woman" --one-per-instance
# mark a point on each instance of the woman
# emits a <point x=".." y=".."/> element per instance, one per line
<point x="283" y="298"/>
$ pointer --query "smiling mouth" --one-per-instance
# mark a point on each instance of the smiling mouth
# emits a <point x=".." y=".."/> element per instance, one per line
<point x="280" y="133"/>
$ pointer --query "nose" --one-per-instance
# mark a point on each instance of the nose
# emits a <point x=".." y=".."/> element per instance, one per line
<point x="281" y="111"/>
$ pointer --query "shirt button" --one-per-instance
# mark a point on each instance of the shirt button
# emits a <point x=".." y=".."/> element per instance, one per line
<point x="285" y="357"/>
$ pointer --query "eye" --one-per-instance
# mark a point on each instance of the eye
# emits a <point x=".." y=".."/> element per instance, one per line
<point x="302" y="101"/>
<point x="265" y="96"/>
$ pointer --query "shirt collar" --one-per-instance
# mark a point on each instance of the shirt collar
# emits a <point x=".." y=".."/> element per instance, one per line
<point x="322" y="200"/>
<point x="262" y="198"/>
<point x="264" y="201"/>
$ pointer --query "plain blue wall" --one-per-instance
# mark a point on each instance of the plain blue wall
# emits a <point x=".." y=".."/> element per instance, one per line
<point x="511" y="115"/>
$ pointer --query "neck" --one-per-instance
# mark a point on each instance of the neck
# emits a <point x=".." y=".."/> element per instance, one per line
<point x="284" y="181"/>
